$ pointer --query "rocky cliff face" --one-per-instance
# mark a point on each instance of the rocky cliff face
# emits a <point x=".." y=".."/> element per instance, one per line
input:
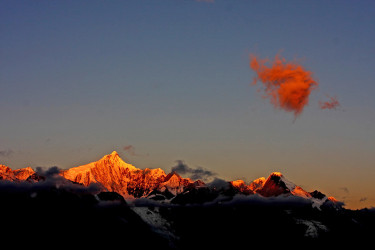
<point x="276" y="184"/>
<point x="6" y="173"/>
<point x="114" y="175"/>
<point x="110" y="172"/>
<point x="241" y="187"/>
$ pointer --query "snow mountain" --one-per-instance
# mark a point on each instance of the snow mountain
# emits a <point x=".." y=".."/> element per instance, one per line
<point x="147" y="208"/>
<point x="18" y="175"/>
<point x="112" y="174"/>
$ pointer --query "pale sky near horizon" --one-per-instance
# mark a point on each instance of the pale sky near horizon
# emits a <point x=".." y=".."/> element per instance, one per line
<point x="79" y="79"/>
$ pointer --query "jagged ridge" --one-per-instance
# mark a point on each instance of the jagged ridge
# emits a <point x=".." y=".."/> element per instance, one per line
<point x="18" y="175"/>
<point x="112" y="174"/>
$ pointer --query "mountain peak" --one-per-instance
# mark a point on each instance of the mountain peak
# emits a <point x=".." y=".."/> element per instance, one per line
<point x="114" y="159"/>
<point x="275" y="185"/>
<point x="276" y="174"/>
<point x="280" y="179"/>
<point x="238" y="183"/>
<point x="241" y="186"/>
<point x="172" y="174"/>
<point x="257" y="184"/>
<point x="6" y="173"/>
<point x="110" y="166"/>
<point x="114" y="154"/>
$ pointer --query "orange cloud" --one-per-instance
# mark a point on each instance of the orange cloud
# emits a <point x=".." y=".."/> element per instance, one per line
<point x="287" y="84"/>
<point x="333" y="103"/>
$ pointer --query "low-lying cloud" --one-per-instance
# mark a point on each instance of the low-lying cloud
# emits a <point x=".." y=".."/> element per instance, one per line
<point x="218" y="184"/>
<point x="256" y="199"/>
<point x="363" y="199"/>
<point x="50" y="180"/>
<point x="193" y="173"/>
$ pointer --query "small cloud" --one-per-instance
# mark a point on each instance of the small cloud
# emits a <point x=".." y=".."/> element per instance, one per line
<point x="363" y="199"/>
<point x="193" y="173"/>
<point x="345" y="189"/>
<point x="130" y="149"/>
<point x="6" y="153"/>
<point x="48" y="172"/>
<point x="332" y="103"/>
<point x="218" y="184"/>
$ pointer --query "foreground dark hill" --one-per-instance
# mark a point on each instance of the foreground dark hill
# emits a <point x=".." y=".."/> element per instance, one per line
<point x="270" y="225"/>
<point x="74" y="216"/>
<point x="46" y="216"/>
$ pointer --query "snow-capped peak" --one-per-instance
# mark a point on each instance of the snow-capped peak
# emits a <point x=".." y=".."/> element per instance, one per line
<point x="114" y="153"/>
<point x="290" y="185"/>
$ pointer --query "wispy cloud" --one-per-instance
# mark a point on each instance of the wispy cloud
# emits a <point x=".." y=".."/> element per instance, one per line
<point x="345" y="189"/>
<point x="130" y="149"/>
<point x="6" y="153"/>
<point x="332" y="103"/>
<point x="193" y="173"/>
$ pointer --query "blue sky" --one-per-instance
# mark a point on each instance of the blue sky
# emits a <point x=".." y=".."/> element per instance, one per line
<point x="79" y="79"/>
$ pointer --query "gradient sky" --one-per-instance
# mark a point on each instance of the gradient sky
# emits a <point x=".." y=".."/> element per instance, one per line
<point x="79" y="79"/>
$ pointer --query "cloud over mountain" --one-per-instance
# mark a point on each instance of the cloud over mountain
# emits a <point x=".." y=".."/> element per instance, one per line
<point x="193" y="173"/>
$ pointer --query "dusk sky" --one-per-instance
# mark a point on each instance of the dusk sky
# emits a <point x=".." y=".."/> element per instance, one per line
<point x="171" y="80"/>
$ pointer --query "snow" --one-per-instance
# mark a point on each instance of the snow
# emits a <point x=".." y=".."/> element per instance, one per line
<point x="313" y="228"/>
<point x="290" y="185"/>
<point x="317" y="203"/>
<point x="298" y="191"/>
<point x="152" y="218"/>
<point x="159" y="224"/>
<point x="112" y="159"/>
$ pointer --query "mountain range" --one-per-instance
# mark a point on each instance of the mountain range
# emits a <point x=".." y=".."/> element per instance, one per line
<point x="112" y="174"/>
<point x="148" y="208"/>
